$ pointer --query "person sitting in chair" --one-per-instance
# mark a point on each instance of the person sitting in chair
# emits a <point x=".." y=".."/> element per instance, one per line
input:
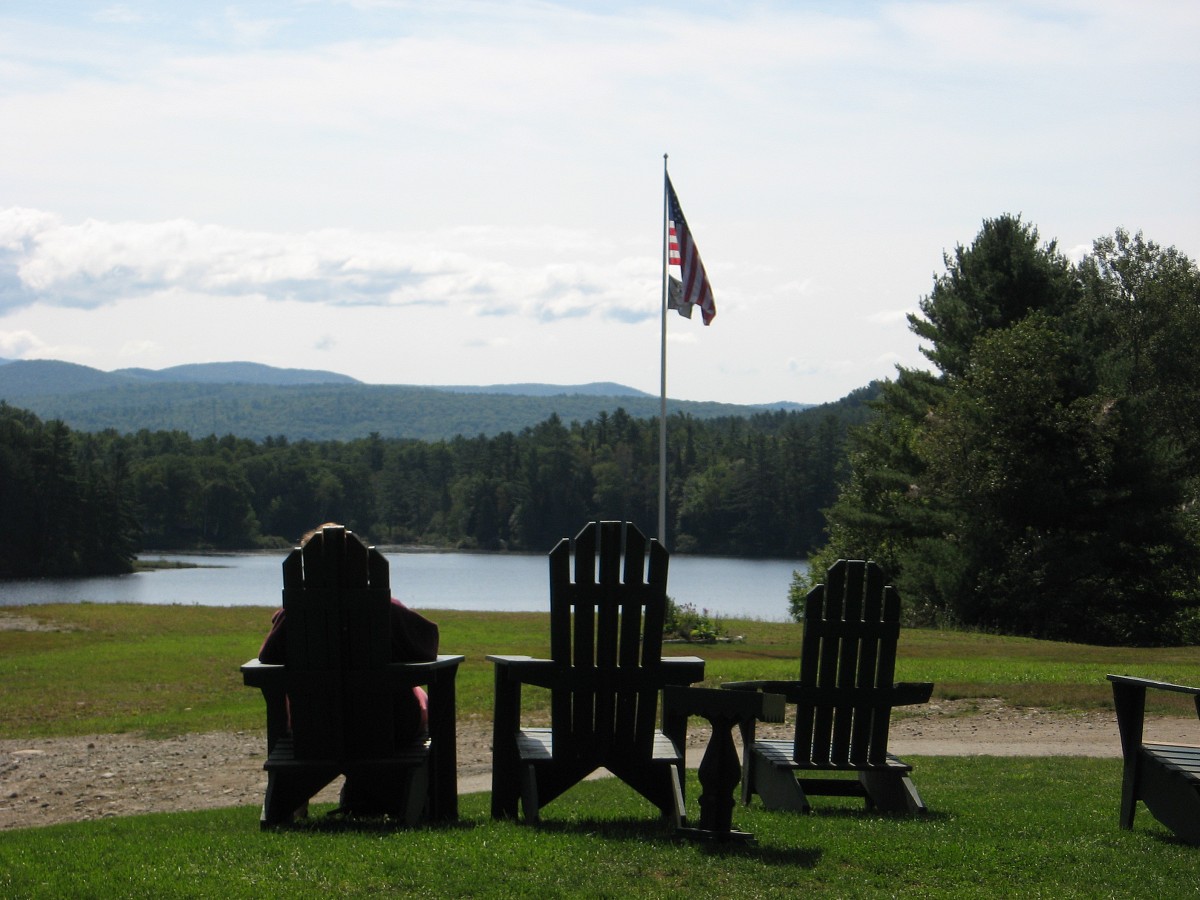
<point x="413" y="639"/>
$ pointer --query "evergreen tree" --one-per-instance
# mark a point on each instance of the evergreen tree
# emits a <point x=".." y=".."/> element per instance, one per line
<point x="1040" y="481"/>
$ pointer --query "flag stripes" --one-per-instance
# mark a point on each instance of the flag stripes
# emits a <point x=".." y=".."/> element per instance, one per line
<point x="694" y="289"/>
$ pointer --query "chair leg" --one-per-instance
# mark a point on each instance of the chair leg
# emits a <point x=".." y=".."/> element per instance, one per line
<point x="1129" y="792"/>
<point x="416" y="795"/>
<point x="506" y="780"/>
<point x="778" y="787"/>
<point x="529" y="795"/>
<point x="506" y="798"/>
<point x="749" y="789"/>
<point x="288" y="793"/>
<point x="679" y="813"/>
<point x="749" y="786"/>
<point x="892" y="792"/>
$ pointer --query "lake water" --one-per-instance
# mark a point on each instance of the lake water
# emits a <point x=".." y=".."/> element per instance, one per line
<point x="734" y="588"/>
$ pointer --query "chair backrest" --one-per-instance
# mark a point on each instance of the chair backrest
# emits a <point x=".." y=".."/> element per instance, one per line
<point x="606" y="624"/>
<point x="335" y="596"/>
<point x="848" y="658"/>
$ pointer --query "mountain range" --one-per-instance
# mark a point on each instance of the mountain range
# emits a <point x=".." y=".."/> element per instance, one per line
<point x="258" y="401"/>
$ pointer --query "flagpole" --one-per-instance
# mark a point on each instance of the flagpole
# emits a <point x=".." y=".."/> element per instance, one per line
<point x="662" y="381"/>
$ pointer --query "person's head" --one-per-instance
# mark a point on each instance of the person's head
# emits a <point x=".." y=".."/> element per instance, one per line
<point x="313" y="532"/>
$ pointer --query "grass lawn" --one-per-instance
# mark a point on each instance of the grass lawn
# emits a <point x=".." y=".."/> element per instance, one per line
<point x="999" y="827"/>
<point x="166" y="670"/>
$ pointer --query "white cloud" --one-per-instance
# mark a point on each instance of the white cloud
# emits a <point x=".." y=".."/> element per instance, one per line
<point x="136" y="349"/>
<point x="889" y="316"/>
<point x="18" y="344"/>
<point x="1077" y="252"/>
<point x="818" y="366"/>
<point x="94" y="264"/>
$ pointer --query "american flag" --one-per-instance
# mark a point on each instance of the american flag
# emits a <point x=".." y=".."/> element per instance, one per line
<point x="691" y="289"/>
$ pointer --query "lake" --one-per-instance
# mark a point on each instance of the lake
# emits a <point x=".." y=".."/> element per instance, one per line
<point x="733" y="588"/>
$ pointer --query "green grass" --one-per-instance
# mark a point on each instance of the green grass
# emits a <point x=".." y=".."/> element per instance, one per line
<point x="1006" y="827"/>
<point x="167" y="670"/>
<point x="998" y="828"/>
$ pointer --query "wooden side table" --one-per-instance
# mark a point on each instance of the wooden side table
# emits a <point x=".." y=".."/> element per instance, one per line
<point x="720" y="771"/>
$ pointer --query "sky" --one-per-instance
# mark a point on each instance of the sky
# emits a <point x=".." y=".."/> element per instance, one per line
<point x="455" y="192"/>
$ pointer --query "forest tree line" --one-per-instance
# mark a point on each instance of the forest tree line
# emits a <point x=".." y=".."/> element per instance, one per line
<point x="82" y="502"/>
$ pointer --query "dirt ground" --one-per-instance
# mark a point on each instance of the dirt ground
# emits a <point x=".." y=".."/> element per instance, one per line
<point x="47" y="781"/>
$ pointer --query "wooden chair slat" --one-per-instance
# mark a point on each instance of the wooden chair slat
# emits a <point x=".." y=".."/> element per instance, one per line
<point x="848" y="645"/>
<point x="874" y="631"/>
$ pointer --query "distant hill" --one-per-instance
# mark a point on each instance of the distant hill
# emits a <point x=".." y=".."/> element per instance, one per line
<point x="253" y="401"/>
<point x="238" y="373"/>
<point x="48" y="377"/>
<point x="594" y="389"/>
<point x="37" y="377"/>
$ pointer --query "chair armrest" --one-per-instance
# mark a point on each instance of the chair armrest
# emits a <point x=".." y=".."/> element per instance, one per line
<point x="904" y="693"/>
<point x="1131" y="681"/>
<point x="502" y="660"/>
<point x="397" y="675"/>
<point x="907" y="693"/>
<point x="444" y="661"/>
<point x="1129" y="698"/>
<point x="681" y="670"/>
<point x="274" y="676"/>
<point x="526" y="670"/>
<point x="427" y="671"/>
<point x="262" y="675"/>
<point x="545" y="673"/>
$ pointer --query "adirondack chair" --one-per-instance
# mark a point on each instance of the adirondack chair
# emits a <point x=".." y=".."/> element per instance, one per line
<point x="844" y="699"/>
<point x="330" y="707"/>
<point x="1166" y="777"/>
<point x="604" y="675"/>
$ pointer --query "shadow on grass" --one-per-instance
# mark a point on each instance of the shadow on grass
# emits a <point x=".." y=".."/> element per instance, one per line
<point x="644" y="831"/>
<point x="1170" y="839"/>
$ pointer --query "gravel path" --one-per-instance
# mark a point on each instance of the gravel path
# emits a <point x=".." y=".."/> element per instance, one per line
<point x="46" y="781"/>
